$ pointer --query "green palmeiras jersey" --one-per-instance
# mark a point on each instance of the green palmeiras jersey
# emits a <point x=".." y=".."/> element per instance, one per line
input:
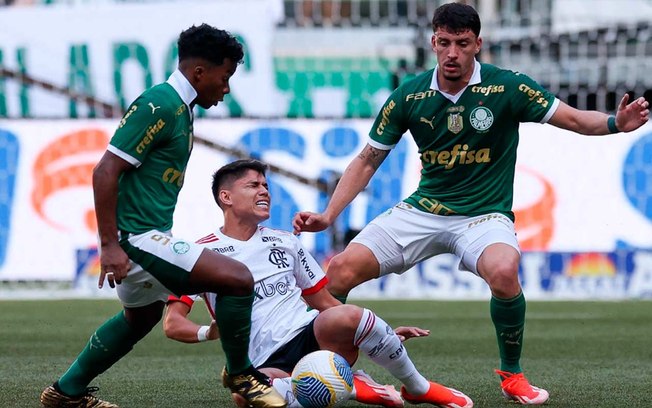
<point x="467" y="142"/>
<point x="155" y="135"/>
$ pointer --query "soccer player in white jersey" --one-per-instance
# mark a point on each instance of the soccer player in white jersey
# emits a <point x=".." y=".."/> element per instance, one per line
<point x="286" y="277"/>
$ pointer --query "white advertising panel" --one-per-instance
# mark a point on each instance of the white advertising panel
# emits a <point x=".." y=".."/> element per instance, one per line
<point x="583" y="204"/>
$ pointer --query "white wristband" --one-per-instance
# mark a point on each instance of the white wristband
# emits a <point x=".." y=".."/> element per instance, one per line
<point x="202" y="333"/>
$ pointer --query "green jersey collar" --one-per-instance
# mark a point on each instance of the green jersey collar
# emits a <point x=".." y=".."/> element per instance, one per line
<point x="181" y="84"/>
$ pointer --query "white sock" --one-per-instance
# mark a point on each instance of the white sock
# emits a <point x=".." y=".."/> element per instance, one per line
<point x="284" y="387"/>
<point x="378" y="341"/>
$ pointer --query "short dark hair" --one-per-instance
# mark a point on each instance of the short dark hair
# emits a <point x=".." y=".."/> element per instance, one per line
<point x="229" y="173"/>
<point x="209" y="43"/>
<point x="456" y="17"/>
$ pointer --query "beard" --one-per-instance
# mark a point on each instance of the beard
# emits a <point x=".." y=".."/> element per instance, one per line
<point x="452" y="78"/>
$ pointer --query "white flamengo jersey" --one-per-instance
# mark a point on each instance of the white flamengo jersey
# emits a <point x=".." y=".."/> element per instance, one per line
<point x="283" y="271"/>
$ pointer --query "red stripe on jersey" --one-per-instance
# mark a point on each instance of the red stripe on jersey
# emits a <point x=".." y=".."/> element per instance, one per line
<point x="368" y="325"/>
<point x="319" y="286"/>
<point x="208" y="238"/>
<point x="209" y="306"/>
<point x="183" y="299"/>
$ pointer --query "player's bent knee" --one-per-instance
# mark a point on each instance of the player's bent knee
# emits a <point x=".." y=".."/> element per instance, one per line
<point x="503" y="281"/>
<point x="344" y="274"/>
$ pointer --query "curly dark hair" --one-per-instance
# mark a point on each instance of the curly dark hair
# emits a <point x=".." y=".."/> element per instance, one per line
<point x="209" y="43"/>
<point x="456" y="17"/>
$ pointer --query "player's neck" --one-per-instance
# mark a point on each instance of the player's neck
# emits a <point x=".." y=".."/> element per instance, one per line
<point x="452" y="87"/>
<point x="239" y="230"/>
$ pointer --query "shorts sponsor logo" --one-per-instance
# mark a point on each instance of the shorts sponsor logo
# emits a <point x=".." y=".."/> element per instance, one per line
<point x="481" y="118"/>
<point x="180" y="247"/>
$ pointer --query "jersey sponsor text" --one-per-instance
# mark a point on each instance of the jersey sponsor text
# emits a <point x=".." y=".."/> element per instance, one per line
<point x="460" y="154"/>
<point x="385" y="120"/>
<point x="149" y="135"/>
<point x="536" y="96"/>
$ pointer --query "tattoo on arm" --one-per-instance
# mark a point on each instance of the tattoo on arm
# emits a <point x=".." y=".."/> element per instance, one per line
<point x="373" y="156"/>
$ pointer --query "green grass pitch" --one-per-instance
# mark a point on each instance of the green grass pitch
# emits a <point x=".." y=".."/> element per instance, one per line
<point x="587" y="354"/>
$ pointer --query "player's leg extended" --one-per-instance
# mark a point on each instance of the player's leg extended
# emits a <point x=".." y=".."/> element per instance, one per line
<point x="335" y="330"/>
<point x="233" y="283"/>
<point x="498" y="265"/>
<point x="374" y="337"/>
<point x="108" y="344"/>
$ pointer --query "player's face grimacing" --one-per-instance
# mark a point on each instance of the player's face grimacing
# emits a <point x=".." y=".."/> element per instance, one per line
<point x="214" y="83"/>
<point x="250" y="197"/>
<point x="455" y="53"/>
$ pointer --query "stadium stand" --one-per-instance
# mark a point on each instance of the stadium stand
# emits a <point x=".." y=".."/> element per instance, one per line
<point x="372" y="45"/>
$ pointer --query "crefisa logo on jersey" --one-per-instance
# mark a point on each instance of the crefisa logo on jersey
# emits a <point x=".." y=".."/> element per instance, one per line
<point x="481" y="118"/>
<point x="180" y="247"/>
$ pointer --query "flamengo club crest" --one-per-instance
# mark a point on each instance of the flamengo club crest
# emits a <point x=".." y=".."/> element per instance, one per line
<point x="481" y="118"/>
<point x="455" y="122"/>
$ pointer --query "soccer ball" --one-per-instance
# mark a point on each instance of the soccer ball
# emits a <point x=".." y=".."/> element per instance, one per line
<point x="322" y="379"/>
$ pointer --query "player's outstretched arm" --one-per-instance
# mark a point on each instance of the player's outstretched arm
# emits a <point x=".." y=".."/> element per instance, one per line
<point x="629" y="117"/>
<point x="177" y="325"/>
<point x="353" y="181"/>
<point x="321" y="300"/>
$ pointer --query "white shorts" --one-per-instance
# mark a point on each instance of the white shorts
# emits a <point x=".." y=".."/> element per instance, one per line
<point x="403" y="236"/>
<point x="160" y="266"/>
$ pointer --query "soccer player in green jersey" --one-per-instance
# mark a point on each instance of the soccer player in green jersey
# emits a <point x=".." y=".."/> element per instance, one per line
<point x="464" y="117"/>
<point x="136" y="185"/>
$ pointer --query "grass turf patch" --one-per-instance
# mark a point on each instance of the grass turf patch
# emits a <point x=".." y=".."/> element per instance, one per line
<point x="587" y="354"/>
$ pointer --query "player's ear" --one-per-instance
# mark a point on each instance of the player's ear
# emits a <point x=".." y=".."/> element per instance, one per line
<point x="225" y="197"/>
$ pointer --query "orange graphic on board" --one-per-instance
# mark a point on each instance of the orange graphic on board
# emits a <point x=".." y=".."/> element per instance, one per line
<point x="65" y="163"/>
<point x="535" y="223"/>
<point x="590" y="264"/>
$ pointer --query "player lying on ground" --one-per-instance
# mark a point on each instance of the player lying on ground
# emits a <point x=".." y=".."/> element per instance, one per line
<point x="282" y="329"/>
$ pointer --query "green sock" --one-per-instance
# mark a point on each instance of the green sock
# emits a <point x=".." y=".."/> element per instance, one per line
<point x="110" y="342"/>
<point x="341" y="298"/>
<point x="233" y="318"/>
<point x="508" y="316"/>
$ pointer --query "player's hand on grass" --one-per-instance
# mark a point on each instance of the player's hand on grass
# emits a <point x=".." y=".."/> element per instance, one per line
<point x="114" y="264"/>
<point x="310" y="222"/>
<point x="408" y="332"/>
<point x="632" y="116"/>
